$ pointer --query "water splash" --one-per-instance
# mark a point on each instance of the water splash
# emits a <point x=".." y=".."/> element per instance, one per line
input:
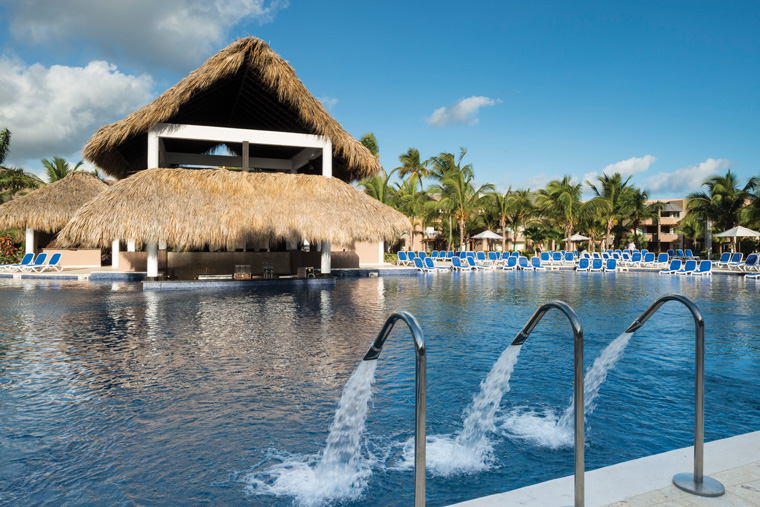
<point x="339" y="472"/>
<point x="549" y="429"/>
<point x="471" y="449"/>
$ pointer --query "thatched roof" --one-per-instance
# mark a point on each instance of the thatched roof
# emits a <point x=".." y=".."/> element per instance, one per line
<point x="247" y="86"/>
<point x="50" y="208"/>
<point x="191" y="208"/>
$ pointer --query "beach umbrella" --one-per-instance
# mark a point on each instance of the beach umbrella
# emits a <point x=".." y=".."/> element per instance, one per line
<point x="487" y="235"/>
<point x="737" y="232"/>
<point x="577" y="237"/>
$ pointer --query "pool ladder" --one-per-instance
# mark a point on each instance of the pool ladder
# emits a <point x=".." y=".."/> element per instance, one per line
<point x="419" y="393"/>
<point x="696" y="483"/>
<point x="578" y="413"/>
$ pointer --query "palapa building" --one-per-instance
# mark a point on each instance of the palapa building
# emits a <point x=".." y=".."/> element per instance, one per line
<point x="46" y="210"/>
<point x="245" y="108"/>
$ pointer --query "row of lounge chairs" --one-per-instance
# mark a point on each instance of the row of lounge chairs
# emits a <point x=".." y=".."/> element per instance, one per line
<point x="690" y="267"/>
<point x="729" y="261"/>
<point x="30" y="264"/>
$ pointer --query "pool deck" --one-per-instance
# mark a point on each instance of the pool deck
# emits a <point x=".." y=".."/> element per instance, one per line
<point x="735" y="462"/>
<point x="109" y="274"/>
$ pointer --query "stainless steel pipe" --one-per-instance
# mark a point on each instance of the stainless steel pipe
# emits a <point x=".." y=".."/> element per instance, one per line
<point x="419" y="393"/>
<point x="577" y="383"/>
<point x="695" y="483"/>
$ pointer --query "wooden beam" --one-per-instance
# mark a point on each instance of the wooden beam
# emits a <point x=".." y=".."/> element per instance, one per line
<point x="278" y="164"/>
<point x="245" y="157"/>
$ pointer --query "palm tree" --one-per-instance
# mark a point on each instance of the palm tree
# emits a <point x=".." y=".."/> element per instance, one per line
<point x="5" y="144"/>
<point x="15" y="180"/>
<point x="369" y="142"/>
<point x="561" y="201"/>
<point x="378" y="187"/>
<point x="412" y="203"/>
<point x="610" y="201"/>
<point x="411" y="165"/>
<point x="501" y="205"/>
<point x="521" y="210"/>
<point x="459" y="197"/>
<point x="637" y="210"/>
<point x="723" y="201"/>
<point x="58" y="168"/>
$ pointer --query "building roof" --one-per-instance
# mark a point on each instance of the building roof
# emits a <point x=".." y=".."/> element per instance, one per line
<point x="246" y="86"/>
<point x="192" y="208"/>
<point x="49" y="208"/>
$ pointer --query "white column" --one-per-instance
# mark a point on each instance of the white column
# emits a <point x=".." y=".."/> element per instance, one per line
<point x="162" y="244"/>
<point x="325" y="258"/>
<point x="29" y="240"/>
<point x="327" y="161"/>
<point x="152" y="150"/>
<point x="152" y="248"/>
<point x="131" y="245"/>
<point x="115" y="254"/>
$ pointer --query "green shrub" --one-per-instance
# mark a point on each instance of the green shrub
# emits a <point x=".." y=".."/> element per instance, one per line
<point x="390" y="258"/>
<point x="10" y="253"/>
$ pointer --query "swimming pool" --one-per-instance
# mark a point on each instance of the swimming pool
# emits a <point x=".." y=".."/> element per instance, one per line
<point x="109" y="394"/>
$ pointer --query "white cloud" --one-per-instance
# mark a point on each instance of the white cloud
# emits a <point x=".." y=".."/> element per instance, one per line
<point x="328" y="102"/>
<point x="53" y="111"/>
<point x="168" y="33"/>
<point x="626" y="168"/>
<point x="462" y="112"/>
<point x="687" y="179"/>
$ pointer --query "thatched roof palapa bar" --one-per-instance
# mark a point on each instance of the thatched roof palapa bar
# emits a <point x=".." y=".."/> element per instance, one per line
<point x="244" y="108"/>
<point x="192" y="208"/>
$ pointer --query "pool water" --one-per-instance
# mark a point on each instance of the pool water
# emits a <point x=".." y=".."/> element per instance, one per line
<point x="109" y="394"/>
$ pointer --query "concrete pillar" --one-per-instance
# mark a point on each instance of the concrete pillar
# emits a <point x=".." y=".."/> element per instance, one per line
<point x="115" y="254"/>
<point x="152" y="249"/>
<point x="327" y="160"/>
<point x="29" y="240"/>
<point x="162" y="244"/>
<point x="306" y="245"/>
<point x="325" y="258"/>
<point x="131" y="245"/>
<point x="153" y="149"/>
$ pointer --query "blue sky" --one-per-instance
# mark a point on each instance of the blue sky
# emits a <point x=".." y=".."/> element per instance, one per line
<point x="667" y="92"/>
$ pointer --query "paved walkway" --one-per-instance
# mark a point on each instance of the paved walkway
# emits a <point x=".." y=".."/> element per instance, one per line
<point x="734" y="461"/>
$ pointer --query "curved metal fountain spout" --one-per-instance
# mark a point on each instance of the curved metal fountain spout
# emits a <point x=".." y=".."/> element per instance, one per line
<point x="695" y="483"/>
<point x="419" y="389"/>
<point x="577" y="382"/>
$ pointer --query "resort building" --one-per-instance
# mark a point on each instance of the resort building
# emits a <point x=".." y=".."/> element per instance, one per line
<point x="662" y="234"/>
<point x="280" y="200"/>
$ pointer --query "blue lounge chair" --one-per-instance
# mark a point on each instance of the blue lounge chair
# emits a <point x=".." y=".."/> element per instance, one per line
<point x="546" y="257"/>
<point x="635" y="260"/>
<point x="644" y="252"/>
<point x="462" y="254"/>
<point x="421" y="255"/>
<point x="421" y="266"/>
<point x="450" y="255"/>
<point x="522" y="263"/>
<point x="688" y="268"/>
<point x="750" y="264"/>
<point x="536" y="263"/>
<point x="471" y="262"/>
<point x="456" y="264"/>
<point x="688" y="254"/>
<point x="28" y="258"/>
<point x="752" y="276"/>
<point x="493" y="257"/>
<point x="434" y="254"/>
<point x="725" y="258"/>
<point x="705" y="268"/>
<point x="402" y="258"/>
<point x="619" y="252"/>
<point x="504" y="256"/>
<point x="662" y="261"/>
<point x="53" y="263"/>
<point x="605" y="256"/>
<point x="410" y="256"/>
<point x="679" y="254"/>
<point x="611" y="265"/>
<point x="671" y="254"/>
<point x="431" y="265"/>
<point x="648" y="260"/>
<point x="557" y="258"/>
<point x="596" y="255"/>
<point x="511" y="264"/>
<point x="481" y="257"/>
<point x="736" y="260"/>
<point x="582" y="265"/>
<point x="597" y="264"/>
<point x="675" y="265"/>
<point x="569" y="258"/>
<point x="39" y="261"/>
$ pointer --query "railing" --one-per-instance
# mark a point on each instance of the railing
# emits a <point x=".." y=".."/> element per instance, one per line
<point x="577" y="385"/>
<point x="695" y="483"/>
<point x="419" y="391"/>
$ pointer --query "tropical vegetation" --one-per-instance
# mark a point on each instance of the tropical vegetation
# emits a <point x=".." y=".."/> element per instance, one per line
<point x="443" y="193"/>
